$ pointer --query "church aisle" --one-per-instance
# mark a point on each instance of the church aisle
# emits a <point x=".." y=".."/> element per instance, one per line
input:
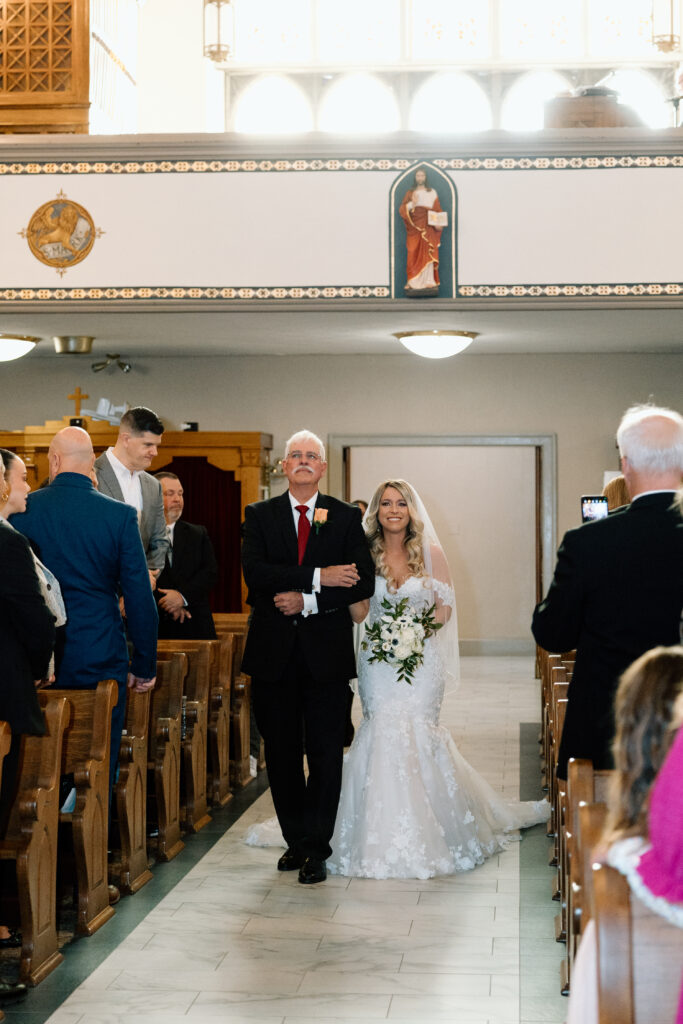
<point x="235" y="940"/>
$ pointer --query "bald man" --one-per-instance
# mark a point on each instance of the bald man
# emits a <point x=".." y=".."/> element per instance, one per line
<point x="92" y="544"/>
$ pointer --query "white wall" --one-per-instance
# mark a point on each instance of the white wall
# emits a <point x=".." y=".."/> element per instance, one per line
<point x="578" y="397"/>
<point x="177" y="87"/>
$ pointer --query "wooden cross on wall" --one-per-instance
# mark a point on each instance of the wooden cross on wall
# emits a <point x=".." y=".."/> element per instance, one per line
<point x="77" y="397"/>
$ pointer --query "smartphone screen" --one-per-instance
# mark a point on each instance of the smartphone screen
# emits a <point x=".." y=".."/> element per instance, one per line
<point x="593" y="506"/>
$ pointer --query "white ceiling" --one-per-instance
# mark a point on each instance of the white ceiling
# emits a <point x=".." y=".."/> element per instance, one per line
<point x="274" y="331"/>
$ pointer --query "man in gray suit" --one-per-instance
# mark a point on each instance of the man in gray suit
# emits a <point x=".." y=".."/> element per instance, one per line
<point x="121" y="474"/>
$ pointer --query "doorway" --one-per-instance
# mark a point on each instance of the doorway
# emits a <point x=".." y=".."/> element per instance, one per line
<point x="492" y="504"/>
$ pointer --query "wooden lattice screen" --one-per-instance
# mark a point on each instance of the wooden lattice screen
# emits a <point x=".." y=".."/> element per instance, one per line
<point x="44" y="74"/>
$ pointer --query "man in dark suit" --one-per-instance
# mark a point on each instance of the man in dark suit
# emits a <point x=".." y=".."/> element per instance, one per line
<point x="121" y="474"/>
<point x="305" y="560"/>
<point x="92" y="545"/>
<point x="190" y="571"/>
<point x="618" y="584"/>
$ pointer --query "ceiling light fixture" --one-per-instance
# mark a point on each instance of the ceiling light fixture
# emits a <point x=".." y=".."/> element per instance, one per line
<point x="113" y="359"/>
<point x="73" y="344"/>
<point x="14" y="346"/>
<point x="665" y="32"/>
<point x="218" y="30"/>
<point x="436" y="344"/>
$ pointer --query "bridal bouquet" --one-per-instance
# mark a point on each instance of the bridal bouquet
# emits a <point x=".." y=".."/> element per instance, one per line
<point x="398" y="637"/>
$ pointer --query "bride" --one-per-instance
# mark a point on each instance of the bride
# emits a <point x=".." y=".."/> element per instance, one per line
<point x="411" y="806"/>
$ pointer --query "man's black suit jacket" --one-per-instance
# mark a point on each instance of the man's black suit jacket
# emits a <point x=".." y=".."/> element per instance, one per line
<point x="617" y="592"/>
<point x="270" y="563"/>
<point x="27" y="635"/>
<point x="193" y="571"/>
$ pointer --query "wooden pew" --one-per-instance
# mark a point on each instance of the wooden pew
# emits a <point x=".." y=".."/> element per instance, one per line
<point x="5" y="742"/>
<point x="85" y="753"/>
<point x="640" y="955"/>
<point x="557" y="711"/>
<point x="31" y="841"/>
<point x="585" y="786"/>
<point x="240" y="699"/>
<point x="164" y="755"/>
<point x="193" y="798"/>
<point x="218" y="726"/>
<point x="128" y="868"/>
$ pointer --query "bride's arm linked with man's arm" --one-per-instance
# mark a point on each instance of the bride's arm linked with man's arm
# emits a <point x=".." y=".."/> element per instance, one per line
<point x="341" y="584"/>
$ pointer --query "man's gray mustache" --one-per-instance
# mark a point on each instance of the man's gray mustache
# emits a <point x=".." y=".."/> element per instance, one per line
<point x="309" y="469"/>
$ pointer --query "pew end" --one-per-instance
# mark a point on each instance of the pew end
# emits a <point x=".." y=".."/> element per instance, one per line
<point x="31" y="841"/>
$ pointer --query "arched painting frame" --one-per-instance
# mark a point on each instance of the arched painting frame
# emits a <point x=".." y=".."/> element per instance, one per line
<point x="448" y="198"/>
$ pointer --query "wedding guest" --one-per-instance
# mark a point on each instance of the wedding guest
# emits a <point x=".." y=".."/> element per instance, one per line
<point x="189" y="574"/>
<point x="616" y="492"/>
<point x="617" y="589"/>
<point x="122" y="474"/>
<point x="93" y="546"/>
<point x="27" y="636"/>
<point x="648" y="715"/>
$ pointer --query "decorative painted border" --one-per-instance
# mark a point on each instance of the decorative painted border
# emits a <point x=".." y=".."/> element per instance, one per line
<point x="131" y="294"/>
<point x="516" y="163"/>
<point x="552" y="291"/>
<point x="481" y="291"/>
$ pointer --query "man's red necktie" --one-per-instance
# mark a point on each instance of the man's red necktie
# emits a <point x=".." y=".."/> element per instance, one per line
<point x="303" y="530"/>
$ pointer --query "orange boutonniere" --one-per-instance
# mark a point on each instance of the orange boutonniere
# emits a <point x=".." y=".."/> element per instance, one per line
<point x="319" y="518"/>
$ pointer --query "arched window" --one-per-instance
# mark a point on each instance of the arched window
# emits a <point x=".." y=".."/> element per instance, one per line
<point x="359" y="103"/>
<point x="273" y="105"/>
<point x="642" y="94"/>
<point x="523" y="106"/>
<point x="450" y="102"/>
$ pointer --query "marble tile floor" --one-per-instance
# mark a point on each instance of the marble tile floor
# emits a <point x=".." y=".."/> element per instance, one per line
<point x="235" y="940"/>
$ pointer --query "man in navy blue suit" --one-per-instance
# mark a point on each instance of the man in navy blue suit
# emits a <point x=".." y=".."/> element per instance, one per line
<point x="92" y="544"/>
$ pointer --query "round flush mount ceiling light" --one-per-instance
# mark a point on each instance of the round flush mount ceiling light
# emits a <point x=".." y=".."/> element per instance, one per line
<point x="436" y="344"/>
<point x="14" y="346"/>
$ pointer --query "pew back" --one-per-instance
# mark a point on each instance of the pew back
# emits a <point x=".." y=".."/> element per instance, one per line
<point x="640" y="955"/>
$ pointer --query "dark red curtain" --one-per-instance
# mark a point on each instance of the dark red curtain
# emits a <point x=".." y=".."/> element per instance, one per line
<point x="212" y="499"/>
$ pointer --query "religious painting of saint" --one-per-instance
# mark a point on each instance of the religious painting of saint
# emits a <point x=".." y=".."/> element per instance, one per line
<point x="423" y="235"/>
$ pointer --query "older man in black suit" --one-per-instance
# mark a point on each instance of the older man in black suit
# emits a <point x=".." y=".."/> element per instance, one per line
<point x="305" y="561"/>
<point x="190" y="571"/>
<point x="618" y="584"/>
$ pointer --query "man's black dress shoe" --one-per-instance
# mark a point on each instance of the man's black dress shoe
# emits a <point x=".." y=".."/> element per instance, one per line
<point x="312" y="871"/>
<point x="13" y="940"/>
<point x="12" y="990"/>
<point x="290" y="860"/>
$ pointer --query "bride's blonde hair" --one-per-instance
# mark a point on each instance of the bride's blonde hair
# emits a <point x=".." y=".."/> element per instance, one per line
<point x="414" y="533"/>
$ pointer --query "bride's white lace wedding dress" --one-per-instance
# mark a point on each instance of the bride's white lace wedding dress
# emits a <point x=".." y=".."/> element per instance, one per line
<point x="411" y="806"/>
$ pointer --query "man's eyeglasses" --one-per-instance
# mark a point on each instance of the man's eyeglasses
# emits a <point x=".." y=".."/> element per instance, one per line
<point x="309" y="456"/>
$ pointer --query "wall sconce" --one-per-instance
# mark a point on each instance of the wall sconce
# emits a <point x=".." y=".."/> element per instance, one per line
<point x="436" y="344"/>
<point x="218" y="30"/>
<point x="14" y="346"/>
<point x="664" y="25"/>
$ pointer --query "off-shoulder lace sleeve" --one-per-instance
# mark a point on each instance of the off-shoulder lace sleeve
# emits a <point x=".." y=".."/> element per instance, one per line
<point x="444" y="593"/>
